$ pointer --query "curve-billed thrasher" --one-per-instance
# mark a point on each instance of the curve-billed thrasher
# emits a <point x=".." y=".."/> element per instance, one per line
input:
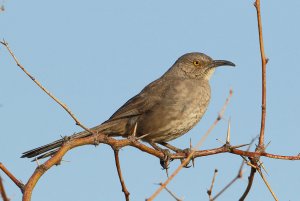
<point x="164" y="110"/>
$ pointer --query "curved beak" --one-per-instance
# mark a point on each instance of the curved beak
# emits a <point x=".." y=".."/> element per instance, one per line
<point x="217" y="63"/>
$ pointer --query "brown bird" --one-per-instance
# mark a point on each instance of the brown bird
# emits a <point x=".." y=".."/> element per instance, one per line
<point x="164" y="110"/>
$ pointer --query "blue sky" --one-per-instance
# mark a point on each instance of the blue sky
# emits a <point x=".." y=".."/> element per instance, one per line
<point x="95" y="55"/>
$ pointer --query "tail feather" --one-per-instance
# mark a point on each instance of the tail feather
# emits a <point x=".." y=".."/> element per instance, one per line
<point x="47" y="154"/>
<point x="51" y="148"/>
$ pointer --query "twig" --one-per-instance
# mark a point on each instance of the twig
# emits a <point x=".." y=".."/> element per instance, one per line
<point x="267" y="184"/>
<point x="12" y="177"/>
<point x="238" y="176"/>
<point x="188" y="158"/>
<point x="2" y="191"/>
<point x="64" y="106"/>
<point x="172" y="194"/>
<point x="264" y="88"/>
<point x="261" y="147"/>
<point x="250" y="182"/>
<point x="209" y="192"/>
<point x="124" y="189"/>
<point x="257" y="154"/>
<point x="225" y="188"/>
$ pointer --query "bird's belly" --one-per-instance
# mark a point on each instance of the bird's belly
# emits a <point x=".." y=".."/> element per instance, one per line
<point x="174" y="120"/>
<point x="186" y="121"/>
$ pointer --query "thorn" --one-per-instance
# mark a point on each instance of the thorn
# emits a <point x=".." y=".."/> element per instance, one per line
<point x="141" y="137"/>
<point x="267" y="60"/>
<point x="254" y="4"/>
<point x="220" y="141"/>
<point x="245" y="159"/>
<point x="239" y="146"/>
<point x="65" y="161"/>
<point x="134" y="129"/>
<point x="228" y="132"/>
<point x="267" y="145"/>
<point x="37" y="162"/>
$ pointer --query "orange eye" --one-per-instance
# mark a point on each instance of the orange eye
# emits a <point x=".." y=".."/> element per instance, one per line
<point x="196" y="63"/>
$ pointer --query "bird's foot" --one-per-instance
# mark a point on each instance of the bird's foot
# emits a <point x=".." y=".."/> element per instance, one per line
<point x="177" y="150"/>
<point x="165" y="161"/>
<point x="187" y="152"/>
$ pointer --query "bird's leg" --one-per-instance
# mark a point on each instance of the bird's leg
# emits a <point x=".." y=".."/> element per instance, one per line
<point x="169" y="146"/>
<point x="167" y="155"/>
<point x="177" y="150"/>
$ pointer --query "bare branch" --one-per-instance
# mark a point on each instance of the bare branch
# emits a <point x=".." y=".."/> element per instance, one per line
<point x="124" y="189"/>
<point x="12" y="177"/>
<point x="209" y="192"/>
<point x="267" y="184"/>
<point x="261" y="146"/>
<point x="238" y="176"/>
<point x="264" y="88"/>
<point x="2" y="191"/>
<point x="172" y="194"/>
<point x="64" y="106"/>
<point x="250" y="182"/>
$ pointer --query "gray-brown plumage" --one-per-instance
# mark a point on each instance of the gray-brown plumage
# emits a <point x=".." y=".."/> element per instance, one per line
<point x="164" y="110"/>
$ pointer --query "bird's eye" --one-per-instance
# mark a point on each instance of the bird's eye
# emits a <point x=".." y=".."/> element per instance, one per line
<point x="196" y="63"/>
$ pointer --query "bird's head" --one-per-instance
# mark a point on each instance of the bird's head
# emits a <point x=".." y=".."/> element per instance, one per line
<point x="196" y="65"/>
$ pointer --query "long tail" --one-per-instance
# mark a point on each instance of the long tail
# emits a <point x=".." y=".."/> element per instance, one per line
<point x="51" y="148"/>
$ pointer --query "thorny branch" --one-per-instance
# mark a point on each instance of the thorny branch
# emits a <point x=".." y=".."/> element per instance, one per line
<point x="264" y="61"/>
<point x="238" y="176"/>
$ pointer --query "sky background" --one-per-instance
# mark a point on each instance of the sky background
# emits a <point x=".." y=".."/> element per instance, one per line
<point x="95" y="55"/>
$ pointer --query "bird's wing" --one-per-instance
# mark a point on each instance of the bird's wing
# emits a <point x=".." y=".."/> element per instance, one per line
<point x="140" y="103"/>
